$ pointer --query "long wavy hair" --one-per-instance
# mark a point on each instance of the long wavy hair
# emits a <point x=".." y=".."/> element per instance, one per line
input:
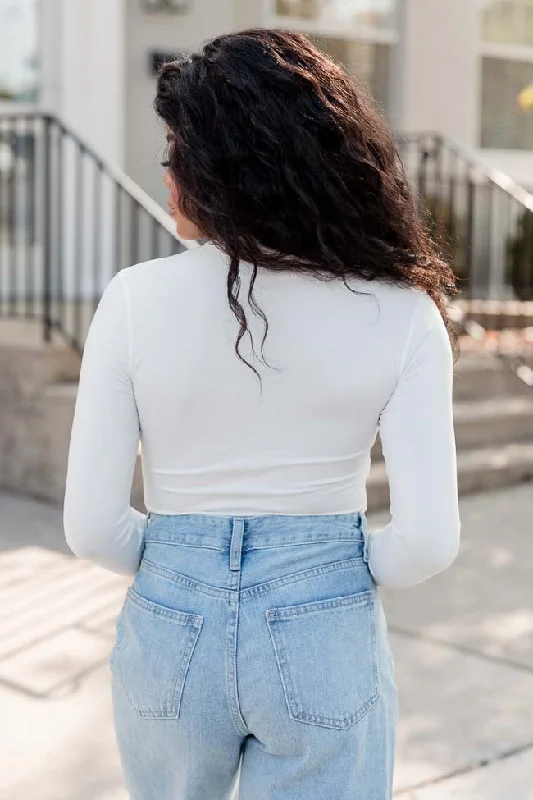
<point x="284" y="162"/>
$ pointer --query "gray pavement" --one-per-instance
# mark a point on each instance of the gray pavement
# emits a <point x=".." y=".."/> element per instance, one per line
<point x="463" y="645"/>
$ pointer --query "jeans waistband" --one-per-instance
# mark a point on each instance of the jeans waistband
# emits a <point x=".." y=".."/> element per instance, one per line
<point x="202" y="530"/>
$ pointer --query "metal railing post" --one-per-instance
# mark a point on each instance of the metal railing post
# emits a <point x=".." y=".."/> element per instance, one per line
<point x="469" y="243"/>
<point x="47" y="191"/>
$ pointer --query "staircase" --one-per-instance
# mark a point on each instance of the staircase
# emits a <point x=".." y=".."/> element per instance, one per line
<point x="493" y="428"/>
<point x="73" y="220"/>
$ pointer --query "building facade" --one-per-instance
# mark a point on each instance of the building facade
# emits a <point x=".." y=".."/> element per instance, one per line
<point x="460" y="67"/>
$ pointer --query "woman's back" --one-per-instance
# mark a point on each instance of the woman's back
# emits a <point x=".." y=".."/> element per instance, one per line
<point x="213" y="439"/>
<point x="216" y="439"/>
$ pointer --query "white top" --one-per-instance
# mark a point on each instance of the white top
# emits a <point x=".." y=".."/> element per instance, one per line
<point x="159" y="367"/>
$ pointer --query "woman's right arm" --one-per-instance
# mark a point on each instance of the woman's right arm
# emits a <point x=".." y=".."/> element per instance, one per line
<point x="418" y="441"/>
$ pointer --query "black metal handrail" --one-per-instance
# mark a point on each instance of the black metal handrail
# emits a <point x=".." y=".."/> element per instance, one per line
<point x="485" y="221"/>
<point x="484" y="218"/>
<point x="68" y="222"/>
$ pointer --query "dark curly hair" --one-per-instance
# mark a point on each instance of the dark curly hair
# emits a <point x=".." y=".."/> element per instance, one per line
<point x="283" y="161"/>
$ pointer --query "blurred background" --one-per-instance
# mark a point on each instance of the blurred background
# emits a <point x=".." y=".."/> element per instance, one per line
<point x="81" y="196"/>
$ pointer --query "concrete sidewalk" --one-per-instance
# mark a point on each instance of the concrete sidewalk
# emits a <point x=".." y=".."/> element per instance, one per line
<point x="463" y="644"/>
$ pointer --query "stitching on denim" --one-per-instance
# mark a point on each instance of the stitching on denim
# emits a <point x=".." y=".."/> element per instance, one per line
<point x="190" y="583"/>
<point x="288" y="612"/>
<point x="295" y="708"/>
<point x="309" y="539"/>
<point x="183" y="542"/>
<point x="377" y="675"/>
<point x="284" y="674"/>
<point x="341" y="723"/>
<point x="295" y="577"/>
<point x="258" y="588"/>
<point x="288" y="542"/>
<point x="182" y="617"/>
<point x="170" y="702"/>
<point x="231" y="670"/>
<point x="175" y="696"/>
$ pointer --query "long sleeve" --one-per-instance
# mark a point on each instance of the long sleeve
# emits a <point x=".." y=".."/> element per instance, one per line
<point x="418" y="441"/>
<point x="99" y="523"/>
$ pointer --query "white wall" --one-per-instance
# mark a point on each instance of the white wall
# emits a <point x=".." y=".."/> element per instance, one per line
<point x="83" y="69"/>
<point x="249" y="13"/>
<point x="145" y="33"/>
<point x="436" y="69"/>
<point x="93" y="78"/>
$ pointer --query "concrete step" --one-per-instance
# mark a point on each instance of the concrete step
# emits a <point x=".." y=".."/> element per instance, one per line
<point x="480" y="375"/>
<point x="480" y="423"/>
<point x="60" y="364"/>
<point x="57" y="411"/>
<point x="57" y="414"/>
<point x="479" y="470"/>
<point x="20" y="333"/>
<point x="499" y="315"/>
<point x="494" y="421"/>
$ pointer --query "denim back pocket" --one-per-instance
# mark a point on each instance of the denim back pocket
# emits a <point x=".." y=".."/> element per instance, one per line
<point x="327" y="659"/>
<point x="152" y="655"/>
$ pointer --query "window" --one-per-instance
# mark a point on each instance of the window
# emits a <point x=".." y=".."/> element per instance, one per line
<point x="505" y="124"/>
<point x="18" y="50"/>
<point x="367" y="61"/>
<point x="368" y="13"/>
<point x="507" y="21"/>
<point x="506" y="74"/>
<point x="358" y="34"/>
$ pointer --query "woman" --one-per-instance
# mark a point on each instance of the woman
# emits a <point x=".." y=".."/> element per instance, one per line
<point x="256" y="370"/>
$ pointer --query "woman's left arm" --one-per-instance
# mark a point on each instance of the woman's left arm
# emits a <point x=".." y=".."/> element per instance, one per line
<point x="99" y="523"/>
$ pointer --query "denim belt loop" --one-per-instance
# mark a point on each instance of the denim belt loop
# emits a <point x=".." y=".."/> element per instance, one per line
<point x="366" y="539"/>
<point x="237" y="535"/>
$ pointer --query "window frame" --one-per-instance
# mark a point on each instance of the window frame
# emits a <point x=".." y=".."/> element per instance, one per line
<point x="505" y="51"/>
<point x="363" y="34"/>
<point x="520" y="8"/>
<point x="335" y="30"/>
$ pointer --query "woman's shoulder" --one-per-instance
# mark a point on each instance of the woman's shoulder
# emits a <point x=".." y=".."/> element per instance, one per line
<point x="396" y="301"/>
<point x="155" y="268"/>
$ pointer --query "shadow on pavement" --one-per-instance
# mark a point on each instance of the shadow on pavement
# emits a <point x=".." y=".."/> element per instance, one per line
<point x="463" y="644"/>
<point x="61" y="611"/>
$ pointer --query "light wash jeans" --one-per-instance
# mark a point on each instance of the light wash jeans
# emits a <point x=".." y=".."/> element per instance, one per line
<point x="255" y="646"/>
